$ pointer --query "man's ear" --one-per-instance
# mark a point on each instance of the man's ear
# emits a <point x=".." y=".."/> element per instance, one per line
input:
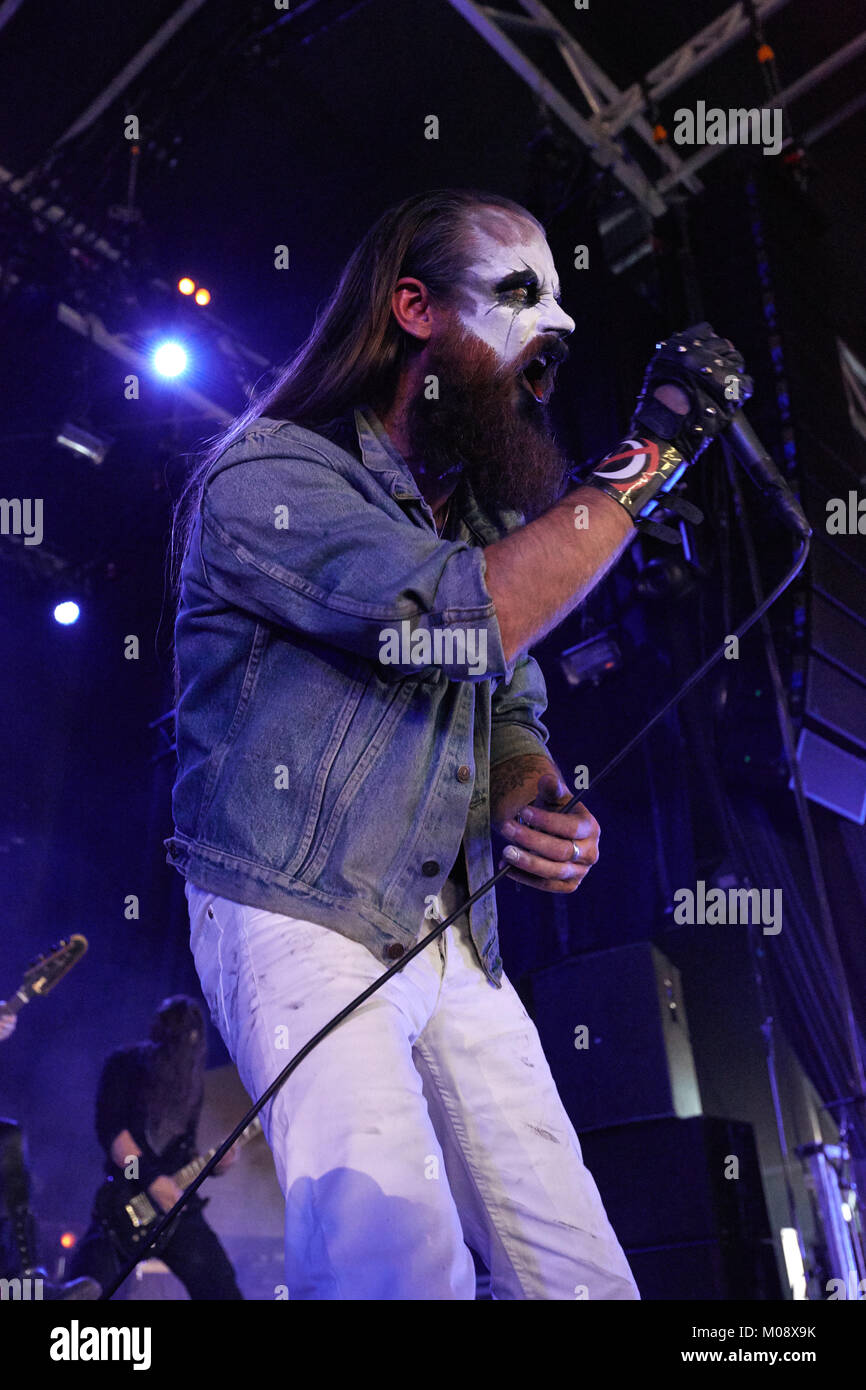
<point x="412" y="307"/>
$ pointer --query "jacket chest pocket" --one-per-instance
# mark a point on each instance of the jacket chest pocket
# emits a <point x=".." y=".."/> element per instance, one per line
<point x="351" y="755"/>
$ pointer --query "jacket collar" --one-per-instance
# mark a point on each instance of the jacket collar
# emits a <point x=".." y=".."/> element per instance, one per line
<point x="377" y="451"/>
<point x="380" y="456"/>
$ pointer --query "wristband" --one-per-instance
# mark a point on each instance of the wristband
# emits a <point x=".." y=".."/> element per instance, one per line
<point x="637" y="471"/>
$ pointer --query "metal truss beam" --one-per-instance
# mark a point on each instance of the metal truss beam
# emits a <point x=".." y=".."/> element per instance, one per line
<point x="613" y="111"/>
<point x="164" y="34"/>
<point x="692" y="57"/>
<point x="787" y="97"/>
<point x="602" y="149"/>
<point x="599" y="91"/>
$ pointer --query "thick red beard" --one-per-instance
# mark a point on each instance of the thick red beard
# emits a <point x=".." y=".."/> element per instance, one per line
<point x="486" y="418"/>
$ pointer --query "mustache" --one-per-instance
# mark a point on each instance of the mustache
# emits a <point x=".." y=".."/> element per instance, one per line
<point x="548" y="345"/>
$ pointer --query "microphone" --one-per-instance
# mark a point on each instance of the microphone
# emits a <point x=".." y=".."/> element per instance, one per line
<point x="766" y="476"/>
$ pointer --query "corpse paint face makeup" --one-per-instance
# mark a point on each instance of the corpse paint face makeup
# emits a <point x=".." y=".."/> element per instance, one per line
<point x="511" y="296"/>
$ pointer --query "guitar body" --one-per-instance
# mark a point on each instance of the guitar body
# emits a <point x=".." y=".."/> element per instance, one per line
<point x="123" y="1207"/>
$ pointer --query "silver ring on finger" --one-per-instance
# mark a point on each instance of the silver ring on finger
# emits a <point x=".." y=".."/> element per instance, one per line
<point x="576" y="855"/>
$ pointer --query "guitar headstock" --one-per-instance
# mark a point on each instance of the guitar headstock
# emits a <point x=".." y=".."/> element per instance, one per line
<point x="49" y="968"/>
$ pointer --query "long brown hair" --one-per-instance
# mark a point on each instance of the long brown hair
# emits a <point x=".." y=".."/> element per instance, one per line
<point x="175" y="1060"/>
<point x="356" y="349"/>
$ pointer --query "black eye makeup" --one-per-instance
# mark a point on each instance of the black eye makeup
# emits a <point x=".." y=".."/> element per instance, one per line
<point x="521" y="288"/>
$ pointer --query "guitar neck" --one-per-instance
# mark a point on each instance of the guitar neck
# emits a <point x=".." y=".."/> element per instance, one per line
<point x="46" y="971"/>
<point x="16" y="1003"/>
<point x="184" y="1176"/>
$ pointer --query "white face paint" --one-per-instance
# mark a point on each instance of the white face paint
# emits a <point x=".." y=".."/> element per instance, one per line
<point x="511" y="292"/>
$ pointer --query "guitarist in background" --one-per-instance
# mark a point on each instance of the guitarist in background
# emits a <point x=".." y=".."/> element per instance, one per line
<point x="147" y="1107"/>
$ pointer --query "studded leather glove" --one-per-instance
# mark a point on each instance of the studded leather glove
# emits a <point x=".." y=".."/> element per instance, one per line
<point x="663" y="443"/>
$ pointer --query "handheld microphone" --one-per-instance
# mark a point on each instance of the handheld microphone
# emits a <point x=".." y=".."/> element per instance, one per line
<point x="766" y="476"/>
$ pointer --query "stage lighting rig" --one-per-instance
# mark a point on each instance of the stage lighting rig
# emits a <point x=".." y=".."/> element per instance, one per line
<point x="65" y="267"/>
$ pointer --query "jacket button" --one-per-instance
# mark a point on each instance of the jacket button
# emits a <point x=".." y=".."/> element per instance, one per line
<point x="210" y="912"/>
<point x="464" y="773"/>
<point x="430" y="868"/>
<point x="394" y="951"/>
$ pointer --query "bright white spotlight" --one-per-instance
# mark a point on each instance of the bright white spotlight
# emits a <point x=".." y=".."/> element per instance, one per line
<point x="170" y="359"/>
<point x="67" y="612"/>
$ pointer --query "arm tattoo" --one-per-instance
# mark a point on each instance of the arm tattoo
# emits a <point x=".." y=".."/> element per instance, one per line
<point x="514" y="783"/>
<point x="505" y="776"/>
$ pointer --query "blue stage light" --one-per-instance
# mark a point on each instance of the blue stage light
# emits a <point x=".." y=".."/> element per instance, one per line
<point x="170" y="359"/>
<point x="67" y="612"/>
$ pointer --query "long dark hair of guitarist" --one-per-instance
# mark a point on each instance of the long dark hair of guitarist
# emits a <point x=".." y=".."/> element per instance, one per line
<point x="147" y="1111"/>
<point x="175" y="1069"/>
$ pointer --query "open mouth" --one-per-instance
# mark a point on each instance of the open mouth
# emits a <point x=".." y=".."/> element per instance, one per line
<point x="538" y="377"/>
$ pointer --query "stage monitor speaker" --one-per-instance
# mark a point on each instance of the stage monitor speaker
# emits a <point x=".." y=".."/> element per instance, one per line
<point x="614" y="1031"/>
<point x="710" y="1271"/>
<point x="838" y="637"/>
<point x="837" y="575"/>
<point x="835" y="700"/>
<point x="686" y="1202"/>
<point x="831" y="776"/>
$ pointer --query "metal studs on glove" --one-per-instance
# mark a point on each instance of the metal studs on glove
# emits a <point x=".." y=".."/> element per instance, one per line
<point x="713" y="376"/>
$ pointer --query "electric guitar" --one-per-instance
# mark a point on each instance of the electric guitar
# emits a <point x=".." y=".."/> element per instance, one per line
<point x="46" y="971"/>
<point x="123" y="1205"/>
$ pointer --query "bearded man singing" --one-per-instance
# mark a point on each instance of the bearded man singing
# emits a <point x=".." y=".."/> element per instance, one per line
<point x="337" y="790"/>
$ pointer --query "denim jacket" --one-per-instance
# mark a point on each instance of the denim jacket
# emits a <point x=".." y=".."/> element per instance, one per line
<point x="322" y="774"/>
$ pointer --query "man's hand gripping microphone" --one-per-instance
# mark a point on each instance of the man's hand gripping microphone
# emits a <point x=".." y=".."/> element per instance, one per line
<point x="662" y="442"/>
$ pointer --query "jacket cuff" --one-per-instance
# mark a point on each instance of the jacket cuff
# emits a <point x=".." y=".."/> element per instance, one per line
<point x="512" y="740"/>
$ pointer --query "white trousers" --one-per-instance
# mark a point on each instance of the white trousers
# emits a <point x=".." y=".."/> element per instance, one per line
<point x="426" y="1120"/>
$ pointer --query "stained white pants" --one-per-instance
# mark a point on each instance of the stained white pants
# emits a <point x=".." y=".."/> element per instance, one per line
<point x="427" y="1119"/>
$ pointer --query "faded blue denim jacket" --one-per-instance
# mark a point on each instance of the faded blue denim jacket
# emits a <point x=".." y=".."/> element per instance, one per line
<point x="315" y="779"/>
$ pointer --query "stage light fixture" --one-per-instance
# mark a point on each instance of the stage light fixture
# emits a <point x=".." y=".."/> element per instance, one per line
<point x="80" y="441"/>
<point x="185" y="285"/>
<point x="202" y="296"/>
<point x="170" y="359"/>
<point x="591" y="660"/>
<point x="67" y="612"/>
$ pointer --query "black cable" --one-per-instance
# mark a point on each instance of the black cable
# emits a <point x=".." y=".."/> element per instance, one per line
<point x="837" y="974"/>
<point x="856" y="1078"/>
<point x="694" y="678"/>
